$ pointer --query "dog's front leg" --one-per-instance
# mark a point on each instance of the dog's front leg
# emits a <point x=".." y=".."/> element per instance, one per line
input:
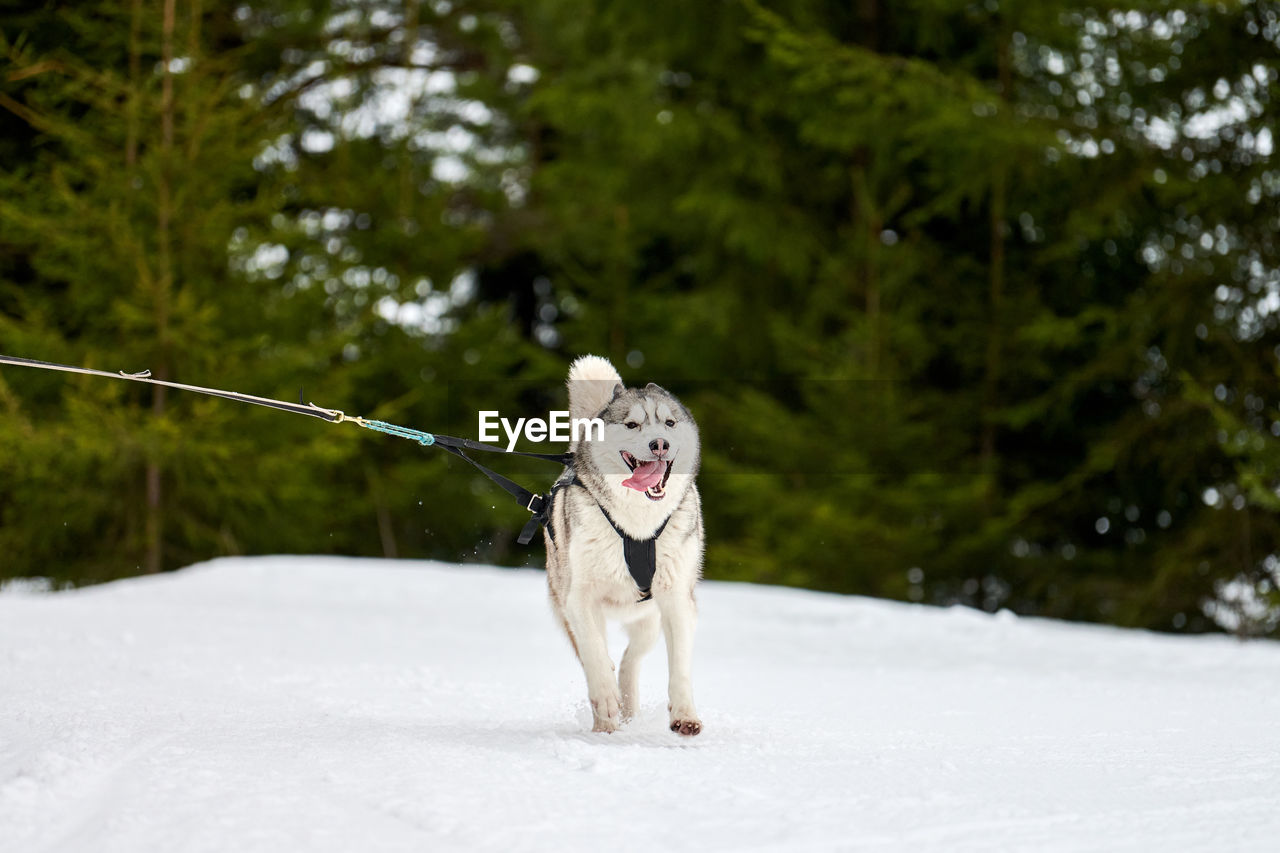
<point x="585" y="618"/>
<point x="679" y="615"/>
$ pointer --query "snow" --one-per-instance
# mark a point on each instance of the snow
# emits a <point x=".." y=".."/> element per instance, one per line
<point x="327" y="704"/>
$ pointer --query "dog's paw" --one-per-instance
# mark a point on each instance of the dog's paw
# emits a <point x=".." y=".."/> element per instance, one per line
<point x="688" y="728"/>
<point x="607" y="710"/>
<point x="684" y="721"/>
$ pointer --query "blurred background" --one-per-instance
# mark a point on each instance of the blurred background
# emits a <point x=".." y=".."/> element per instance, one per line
<point x="974" y="301"/>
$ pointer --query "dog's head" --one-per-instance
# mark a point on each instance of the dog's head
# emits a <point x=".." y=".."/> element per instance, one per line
<point x="650" y="445"/>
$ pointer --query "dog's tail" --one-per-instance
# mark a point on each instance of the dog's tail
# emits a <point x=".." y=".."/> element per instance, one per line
<point x="592" y="384"/>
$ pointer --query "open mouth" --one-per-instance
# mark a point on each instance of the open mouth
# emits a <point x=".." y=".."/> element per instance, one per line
<point x="648" y="476"/>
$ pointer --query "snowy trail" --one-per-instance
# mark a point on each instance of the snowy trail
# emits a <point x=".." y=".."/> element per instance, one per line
<point x="317" y="704"/>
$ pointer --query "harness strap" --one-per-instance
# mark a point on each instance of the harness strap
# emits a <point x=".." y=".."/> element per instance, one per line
<point x="450" y="441"/>
<point x="641" y="554"/>
<point x="542" y="515"/>
<point x="535" y="503"/>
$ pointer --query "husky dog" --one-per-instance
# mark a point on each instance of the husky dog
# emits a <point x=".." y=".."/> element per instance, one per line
<point x="634" y="484"/>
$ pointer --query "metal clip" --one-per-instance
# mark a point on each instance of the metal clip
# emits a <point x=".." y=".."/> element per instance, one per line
<point x="338" y="416"/>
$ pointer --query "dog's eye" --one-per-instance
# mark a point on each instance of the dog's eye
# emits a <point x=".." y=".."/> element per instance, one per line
<point x="670" y="422"/>
<point x="631" y="425"/>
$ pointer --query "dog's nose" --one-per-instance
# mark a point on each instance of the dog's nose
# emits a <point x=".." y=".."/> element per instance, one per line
<point x="659" y="447"/>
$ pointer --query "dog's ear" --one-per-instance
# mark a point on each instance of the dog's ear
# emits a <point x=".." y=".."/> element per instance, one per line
<point x="655" y="388"/>
<point x="617" y="389"/>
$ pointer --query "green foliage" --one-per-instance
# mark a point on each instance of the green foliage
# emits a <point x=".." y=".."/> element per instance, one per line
<point x="974" y="303"/>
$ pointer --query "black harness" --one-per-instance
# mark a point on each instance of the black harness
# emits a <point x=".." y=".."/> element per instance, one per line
<point x="641" y="554"/>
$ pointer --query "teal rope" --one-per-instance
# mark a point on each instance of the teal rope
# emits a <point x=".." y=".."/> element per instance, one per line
<point x="426" y="439"/>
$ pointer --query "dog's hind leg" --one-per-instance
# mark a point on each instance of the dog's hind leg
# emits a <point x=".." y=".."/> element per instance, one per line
<point x="586" y="625"/>
<point x="641" y="635"/>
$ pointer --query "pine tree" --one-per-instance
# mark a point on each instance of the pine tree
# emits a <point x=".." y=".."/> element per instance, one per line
<point x="141" y="179"/>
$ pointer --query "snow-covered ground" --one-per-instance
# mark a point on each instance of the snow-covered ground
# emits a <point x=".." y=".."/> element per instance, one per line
<point x="316" y="704"/>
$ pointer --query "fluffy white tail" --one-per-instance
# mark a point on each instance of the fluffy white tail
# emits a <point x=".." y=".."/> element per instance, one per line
<point x="592" y="381"/>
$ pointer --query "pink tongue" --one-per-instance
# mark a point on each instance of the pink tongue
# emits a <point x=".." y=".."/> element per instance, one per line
<point x="646" y="475"/>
